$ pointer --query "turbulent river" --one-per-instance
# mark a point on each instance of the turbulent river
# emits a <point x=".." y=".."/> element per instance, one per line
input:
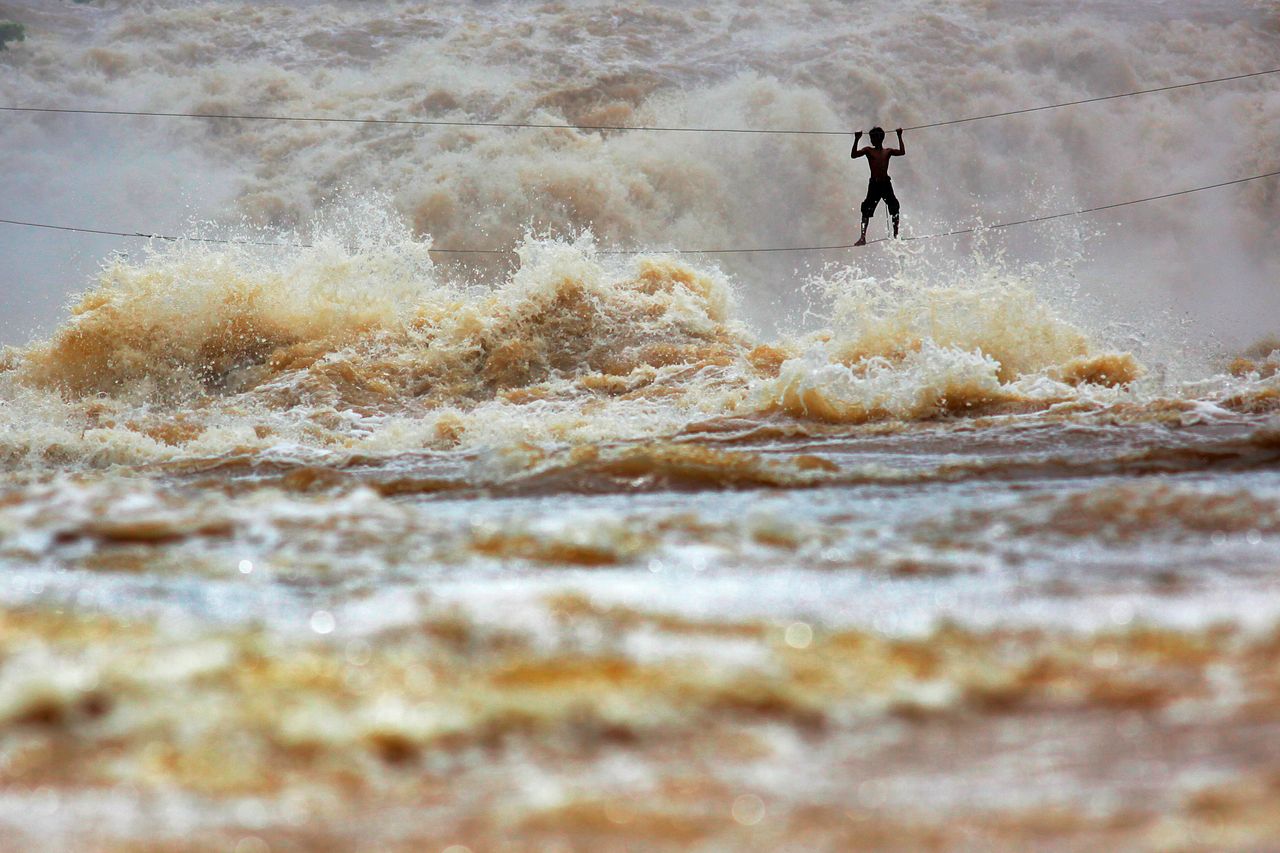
<point x="341" y="542"/>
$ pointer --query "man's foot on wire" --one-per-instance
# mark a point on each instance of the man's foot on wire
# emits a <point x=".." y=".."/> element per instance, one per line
<point x="862" y="241"/>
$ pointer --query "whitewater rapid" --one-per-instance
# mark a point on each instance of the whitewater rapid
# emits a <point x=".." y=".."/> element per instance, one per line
<point x="1206" y="257"/>
<point x="320" y="538"/>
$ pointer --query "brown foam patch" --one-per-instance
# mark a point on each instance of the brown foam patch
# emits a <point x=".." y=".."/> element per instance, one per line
<point x="1110" y="369"/>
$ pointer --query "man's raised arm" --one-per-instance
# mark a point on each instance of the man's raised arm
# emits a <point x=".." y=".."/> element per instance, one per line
<point x="855" y="153"/>
<point x="901" y="149"/>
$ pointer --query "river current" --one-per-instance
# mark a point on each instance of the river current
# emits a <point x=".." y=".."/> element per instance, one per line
<point x="346" y="543"/>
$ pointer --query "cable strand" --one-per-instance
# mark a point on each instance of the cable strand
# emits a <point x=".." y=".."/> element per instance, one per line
<point x="731" y="251"/>
<point x="1091" y="100"/>
<point x="610" y="127"/>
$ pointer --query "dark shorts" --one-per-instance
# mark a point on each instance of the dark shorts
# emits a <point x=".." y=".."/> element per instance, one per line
<point x="879" y="189"/>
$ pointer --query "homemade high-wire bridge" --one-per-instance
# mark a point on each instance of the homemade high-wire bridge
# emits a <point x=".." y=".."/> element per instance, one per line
<point x="646" y="129"/>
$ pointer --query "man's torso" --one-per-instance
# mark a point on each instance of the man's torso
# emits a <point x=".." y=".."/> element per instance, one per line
<point x="878" y="160"/>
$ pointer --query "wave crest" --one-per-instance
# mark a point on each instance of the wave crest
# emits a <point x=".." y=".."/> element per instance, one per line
<point x="371" y="349"/>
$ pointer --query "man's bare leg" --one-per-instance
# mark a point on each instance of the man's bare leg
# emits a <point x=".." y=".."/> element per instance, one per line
<point x="895" y="226"/>
<point x="862" y="240"/>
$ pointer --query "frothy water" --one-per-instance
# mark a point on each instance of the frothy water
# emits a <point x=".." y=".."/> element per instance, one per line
<point x="821" y="66"/>
<point x="372" y="349"/>
<point x="347" y="543"/>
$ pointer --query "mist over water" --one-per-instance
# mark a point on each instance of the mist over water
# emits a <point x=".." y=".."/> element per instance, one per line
<point x="813" y="66"/>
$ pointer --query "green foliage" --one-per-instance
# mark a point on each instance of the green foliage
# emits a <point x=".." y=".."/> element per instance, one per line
<point x="11" y="31"/>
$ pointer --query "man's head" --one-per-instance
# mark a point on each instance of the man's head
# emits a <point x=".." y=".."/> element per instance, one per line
<point x="877" y="135"/>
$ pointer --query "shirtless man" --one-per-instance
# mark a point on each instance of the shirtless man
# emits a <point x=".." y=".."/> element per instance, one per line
<point x="879" y="187"/>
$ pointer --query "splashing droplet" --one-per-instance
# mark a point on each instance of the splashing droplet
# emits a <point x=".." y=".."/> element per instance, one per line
<point x="748" y="809"/>
<point x="799" y="635"/>
<point x="322" y="622"/>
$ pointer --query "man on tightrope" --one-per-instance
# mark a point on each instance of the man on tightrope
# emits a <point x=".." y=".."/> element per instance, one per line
<point x="879" y="187"/>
